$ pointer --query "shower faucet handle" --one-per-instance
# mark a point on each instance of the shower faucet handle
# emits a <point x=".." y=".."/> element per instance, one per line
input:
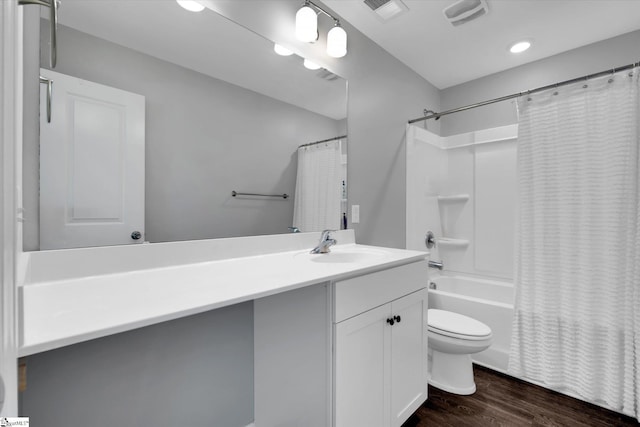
<point x="430" y="240"/>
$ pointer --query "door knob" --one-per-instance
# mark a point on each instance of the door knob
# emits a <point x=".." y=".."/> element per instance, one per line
<point x="136" y="235"/>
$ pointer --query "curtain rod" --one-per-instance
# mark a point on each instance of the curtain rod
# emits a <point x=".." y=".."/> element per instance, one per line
<point x="324" y="140"/>
<point x="528" y="92"/>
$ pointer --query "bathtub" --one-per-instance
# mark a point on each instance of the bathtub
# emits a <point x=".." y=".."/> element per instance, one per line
<point x="489" y="301"/>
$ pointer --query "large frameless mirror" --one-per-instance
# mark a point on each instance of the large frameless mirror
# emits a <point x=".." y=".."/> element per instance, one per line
<point x="158" y="115"/>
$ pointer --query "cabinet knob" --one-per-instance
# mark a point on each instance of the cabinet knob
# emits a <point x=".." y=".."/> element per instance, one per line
<point x="391" y="321"/>
<point x="397" y="318"/>
<point x="136" y="235"/>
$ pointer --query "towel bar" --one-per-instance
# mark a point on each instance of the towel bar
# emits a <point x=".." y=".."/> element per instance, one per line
<point x="235" y="193"/>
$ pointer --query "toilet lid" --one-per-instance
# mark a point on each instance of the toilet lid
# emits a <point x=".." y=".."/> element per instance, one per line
<point x="449" y="323"/>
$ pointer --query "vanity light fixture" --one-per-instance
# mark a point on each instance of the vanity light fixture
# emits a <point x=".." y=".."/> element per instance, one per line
<point x="337" y="42"/>
<point x="307" y="29"/>
<point x="191" y="5"/>
<point x="520" y="46"/>
<point x="310" y="65"/>
<point x="307" y="24"/>
<point x="281" y="50"/>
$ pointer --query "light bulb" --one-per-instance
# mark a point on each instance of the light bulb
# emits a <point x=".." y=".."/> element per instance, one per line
<point x="190" y="5"/>
<point x="280" y="50"/>
<point x="306" y="24"/>
<point x="337" y="42"/>
<point x="520" y="47"/>
<point x="310" y="65"/>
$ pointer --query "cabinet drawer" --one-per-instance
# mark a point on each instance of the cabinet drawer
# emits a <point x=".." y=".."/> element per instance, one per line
<point x="357" y="295"/>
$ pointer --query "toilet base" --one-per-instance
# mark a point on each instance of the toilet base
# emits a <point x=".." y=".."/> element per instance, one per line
<point x="452" y="373"/>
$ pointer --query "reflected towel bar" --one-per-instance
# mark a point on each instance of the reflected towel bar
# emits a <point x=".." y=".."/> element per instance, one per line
<point x="53" y="6"/>
<point x="49" y="84"/>
<point x="235" y="193"/>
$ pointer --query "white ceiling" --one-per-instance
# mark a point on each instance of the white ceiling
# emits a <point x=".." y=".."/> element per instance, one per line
<point x="445" y="55"/>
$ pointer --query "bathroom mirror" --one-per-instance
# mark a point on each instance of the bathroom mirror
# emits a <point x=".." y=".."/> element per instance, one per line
<point x="222" y="113"/>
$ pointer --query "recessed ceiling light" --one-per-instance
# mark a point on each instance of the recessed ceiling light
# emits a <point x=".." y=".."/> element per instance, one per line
<point x="520" y="46"/>
<point x="191" y="6"/>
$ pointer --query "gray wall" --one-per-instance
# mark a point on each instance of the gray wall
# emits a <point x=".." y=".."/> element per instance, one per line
<point x="204" y="138"/>
<point x="614" y="52"/>
<point x="195" y="371"/>
<point x="383" y="95"/>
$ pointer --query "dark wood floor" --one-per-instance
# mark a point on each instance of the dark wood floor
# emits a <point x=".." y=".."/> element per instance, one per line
<point x="501" y="400"/>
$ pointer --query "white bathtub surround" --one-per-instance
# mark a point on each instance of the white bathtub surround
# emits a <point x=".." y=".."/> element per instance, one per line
<point x="488" y="301"/>
<point x="319" y="190"/>
<point x="577" y="323"/>
<point x="462" y="188"/>
<point x="80" y="294"/>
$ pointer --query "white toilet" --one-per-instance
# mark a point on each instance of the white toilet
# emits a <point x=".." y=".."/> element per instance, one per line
<point x="452" y="339"/>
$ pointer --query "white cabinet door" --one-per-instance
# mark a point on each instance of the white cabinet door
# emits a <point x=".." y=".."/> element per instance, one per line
<point x="362" y="354"/>
<point x="91" y="165"/>
<point x="381" y="367"/>
<point x="408" y="356"/>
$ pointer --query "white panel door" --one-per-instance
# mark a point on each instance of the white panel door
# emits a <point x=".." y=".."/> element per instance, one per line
<point x="91" y="165"/>
<point x="362" y="353"/>
<point x="408" y="356"/>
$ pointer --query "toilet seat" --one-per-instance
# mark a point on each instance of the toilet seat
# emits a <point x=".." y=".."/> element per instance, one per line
<point x="456" y="325"/>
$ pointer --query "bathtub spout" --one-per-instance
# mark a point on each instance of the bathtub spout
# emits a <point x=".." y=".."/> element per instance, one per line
<point x="436" y="264"/>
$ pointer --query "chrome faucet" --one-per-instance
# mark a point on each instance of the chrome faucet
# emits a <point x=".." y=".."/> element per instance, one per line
<point x="325" y="242"/>
<point x="436" y="264"/>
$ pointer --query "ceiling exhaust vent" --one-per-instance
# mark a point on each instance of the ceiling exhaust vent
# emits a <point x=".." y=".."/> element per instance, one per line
<point x="326" y="74"/>
<point x="464" y="11"/>
<point x="387" y="9"/>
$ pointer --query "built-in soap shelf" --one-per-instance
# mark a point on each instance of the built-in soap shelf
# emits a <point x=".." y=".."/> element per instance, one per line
<point x="454" y="198"/>
<point x="448" y="242"/>
<point x="452" y="203"/>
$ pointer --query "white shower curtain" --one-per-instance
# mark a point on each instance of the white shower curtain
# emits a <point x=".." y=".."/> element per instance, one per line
<point x="577" y="309"/>
<point x="318" y="187"/>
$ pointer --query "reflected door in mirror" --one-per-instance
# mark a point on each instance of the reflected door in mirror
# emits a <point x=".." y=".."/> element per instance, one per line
<point x="92" y="165"/>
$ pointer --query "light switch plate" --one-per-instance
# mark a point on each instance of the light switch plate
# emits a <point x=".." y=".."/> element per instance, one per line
<point x="355" y="214"/>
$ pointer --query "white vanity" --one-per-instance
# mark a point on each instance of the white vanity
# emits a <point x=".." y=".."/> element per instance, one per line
<point x="339" y="338"/>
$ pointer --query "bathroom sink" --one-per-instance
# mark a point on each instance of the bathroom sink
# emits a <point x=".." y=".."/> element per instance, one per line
<point x="349" y="255"/>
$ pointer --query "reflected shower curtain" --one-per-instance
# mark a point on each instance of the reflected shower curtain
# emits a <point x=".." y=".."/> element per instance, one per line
<point x="318" y="187"/>
<point x="577" y="310"/>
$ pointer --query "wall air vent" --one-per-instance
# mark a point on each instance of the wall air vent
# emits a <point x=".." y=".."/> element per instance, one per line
<point x="464" y="11"/>
<point x="387" y="9"/>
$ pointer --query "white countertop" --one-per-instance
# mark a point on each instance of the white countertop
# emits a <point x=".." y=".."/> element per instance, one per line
<point x="65" y="311"/>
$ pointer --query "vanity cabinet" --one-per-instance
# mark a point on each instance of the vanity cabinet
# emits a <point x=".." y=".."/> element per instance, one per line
<point x="380" y="350"/>
<point x="347" y="353"/>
